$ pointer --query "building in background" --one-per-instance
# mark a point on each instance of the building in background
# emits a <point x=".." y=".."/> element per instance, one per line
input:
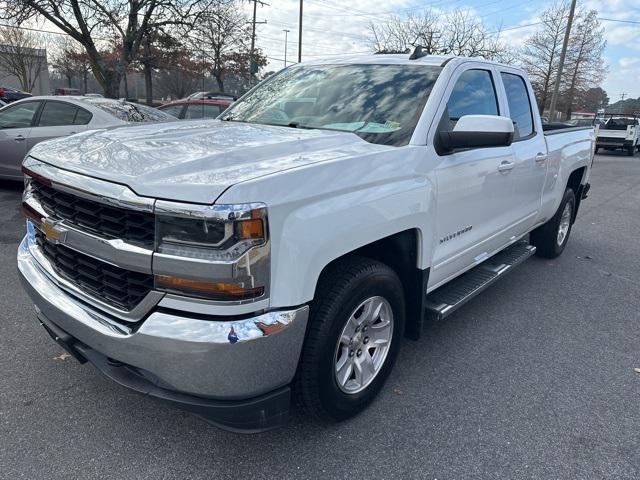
<point x="34" y="63"/>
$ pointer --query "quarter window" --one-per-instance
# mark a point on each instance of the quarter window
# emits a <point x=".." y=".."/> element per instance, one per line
<point x="82" y="117"/>
<point x="473" y="94"/>
<point x="519" y="104"/>
<point x="174" y="110"/>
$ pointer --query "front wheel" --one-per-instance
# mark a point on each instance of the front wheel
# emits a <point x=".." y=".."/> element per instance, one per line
<point x="631" y="151"/>
<point x="551" y="238"/>
<point x="356" y="327"/>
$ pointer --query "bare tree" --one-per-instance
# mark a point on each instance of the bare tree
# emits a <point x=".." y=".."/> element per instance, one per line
<point x="22" y="55"/>
<point x="585" y="65"/>
<point x="458" y="32"/>
<point x="541" y="52"/>
<point x="223" y="32"/>
<point x="71" y="61"/>
<point x="125" y="22"/>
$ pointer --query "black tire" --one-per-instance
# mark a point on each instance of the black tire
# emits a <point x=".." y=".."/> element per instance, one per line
<point x="340" y="291"/>
<point x="596" y="150"/>
<point x="545" y="237"/>
<point x="631" y="151"/>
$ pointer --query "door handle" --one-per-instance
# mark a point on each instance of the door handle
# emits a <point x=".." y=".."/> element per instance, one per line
<point x="19" y="138"/>
<point x="541" y="158"/>
<point x="506" y="166"/>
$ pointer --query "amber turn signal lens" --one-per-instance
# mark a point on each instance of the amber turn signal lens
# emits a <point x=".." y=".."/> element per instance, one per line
<point x="212" y="290"/>
<point x="250" y="229"/>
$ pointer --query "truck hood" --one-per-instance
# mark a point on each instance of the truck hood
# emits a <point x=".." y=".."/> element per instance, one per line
<point x="195" y="161"/>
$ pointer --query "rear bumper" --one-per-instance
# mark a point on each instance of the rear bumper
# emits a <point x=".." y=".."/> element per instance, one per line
<point x="613" y="142"/>
<point x="212" y="366"/>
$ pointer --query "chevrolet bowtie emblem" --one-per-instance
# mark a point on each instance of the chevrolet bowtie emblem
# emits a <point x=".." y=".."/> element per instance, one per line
<point x="53" y="232"/>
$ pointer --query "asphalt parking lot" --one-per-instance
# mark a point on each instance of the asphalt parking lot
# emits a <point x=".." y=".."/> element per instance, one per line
<point x="532" y="379"/>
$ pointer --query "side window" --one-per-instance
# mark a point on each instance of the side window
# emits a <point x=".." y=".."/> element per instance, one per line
<point x="173" y="110"/>
<point x="202" y="111"/>
<point x="56" y="114"/>
<point x="82" y="117"/>
<point x="519" y="104"/>
<point x="473" y="94"/>
<point x="18" y="116"/>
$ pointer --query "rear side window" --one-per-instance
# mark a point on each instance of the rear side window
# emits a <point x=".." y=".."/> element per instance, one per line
<point x="473" y="94"/>
<point x="174" y="110"/>
<point x="519" y="104"/>
<point x="56" y="114"/>
<point x="203" y="111"/>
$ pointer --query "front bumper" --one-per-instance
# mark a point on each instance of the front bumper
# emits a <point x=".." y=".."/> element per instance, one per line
<point x="211" y="362"/>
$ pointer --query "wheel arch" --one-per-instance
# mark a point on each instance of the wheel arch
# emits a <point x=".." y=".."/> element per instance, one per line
<point x="575" y="183"/>
<point x="400" y="252"/>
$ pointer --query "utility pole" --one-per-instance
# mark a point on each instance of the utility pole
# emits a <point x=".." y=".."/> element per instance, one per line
<point x="622" y="95"/>
<point x="556" y="87"/>
<point x="252" y="67"/>
<point x="286" y="35"/>
<point x="300" y="35"/>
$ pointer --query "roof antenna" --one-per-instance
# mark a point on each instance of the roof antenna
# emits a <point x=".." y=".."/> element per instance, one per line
<point x="417" y="53"/>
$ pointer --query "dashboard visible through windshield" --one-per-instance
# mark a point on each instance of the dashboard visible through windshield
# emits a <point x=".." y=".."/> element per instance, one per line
<point x="380" y="103"/>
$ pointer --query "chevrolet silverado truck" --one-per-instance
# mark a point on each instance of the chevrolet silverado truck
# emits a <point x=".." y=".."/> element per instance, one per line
<point x="279" y="254"/>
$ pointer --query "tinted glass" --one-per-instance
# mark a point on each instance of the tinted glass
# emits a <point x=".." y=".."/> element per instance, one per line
<point x="82" y="117"/>
<point x="56" y="114"/>
<point x="473" y="94"/>
<point x="174" y="110"/>
<point x="519" y="104"/>
<point x="380" y="103"/>
<point x="203" y="111"/>
<point x="18" y="116"/>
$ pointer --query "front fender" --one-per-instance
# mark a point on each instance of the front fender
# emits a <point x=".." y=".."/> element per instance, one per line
<point x="321" y="212"/>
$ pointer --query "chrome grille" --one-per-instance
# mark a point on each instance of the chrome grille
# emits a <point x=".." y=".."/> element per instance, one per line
<point x="123" y="289"/>
<point x="95" y="217"/>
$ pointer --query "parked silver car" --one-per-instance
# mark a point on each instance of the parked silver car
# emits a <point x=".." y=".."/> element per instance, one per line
<point x="27" y="122"/>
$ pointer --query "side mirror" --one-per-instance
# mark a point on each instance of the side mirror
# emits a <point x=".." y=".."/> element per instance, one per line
<point x="477" y="131"/>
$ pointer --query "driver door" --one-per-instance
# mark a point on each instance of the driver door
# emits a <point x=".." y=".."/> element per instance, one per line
<point x="475" y="185"/>
<point x="15" y="127"/>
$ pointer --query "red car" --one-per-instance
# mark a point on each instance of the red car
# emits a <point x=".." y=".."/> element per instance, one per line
<point x="191" y="109"/>
<point x="67" y="91"/>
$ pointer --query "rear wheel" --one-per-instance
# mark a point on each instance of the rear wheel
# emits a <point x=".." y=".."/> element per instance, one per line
<point x="631" y="151"/>
<point x="551" y="238"/>
<point x="356" y="326"/>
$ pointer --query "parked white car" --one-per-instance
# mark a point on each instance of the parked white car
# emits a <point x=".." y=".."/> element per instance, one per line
<point x="618" y="132"/>
<point x="286" y="248"/>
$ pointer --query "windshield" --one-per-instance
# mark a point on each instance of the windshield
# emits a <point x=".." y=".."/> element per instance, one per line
<point x="380" y="103"/>
<point x="129" y="112"/>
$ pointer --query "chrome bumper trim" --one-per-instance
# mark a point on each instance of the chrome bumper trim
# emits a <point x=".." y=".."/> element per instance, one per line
<point x="212" y="358"/>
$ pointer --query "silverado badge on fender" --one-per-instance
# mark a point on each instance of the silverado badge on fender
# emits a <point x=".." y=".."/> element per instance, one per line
<point x="453" y="235"/>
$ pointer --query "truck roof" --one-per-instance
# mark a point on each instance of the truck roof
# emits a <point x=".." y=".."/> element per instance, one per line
<point x="398" y="59"/>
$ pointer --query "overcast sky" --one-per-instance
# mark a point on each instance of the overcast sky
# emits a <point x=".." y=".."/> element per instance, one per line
<point x="333" y="27"/>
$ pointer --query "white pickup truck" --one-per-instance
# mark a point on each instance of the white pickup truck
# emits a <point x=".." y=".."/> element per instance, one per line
<point x="282" y="251"/>
<point x="618" y="132"/>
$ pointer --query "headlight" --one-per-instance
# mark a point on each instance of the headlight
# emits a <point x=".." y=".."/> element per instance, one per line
<point x="217" y="233"/>
<point x="218" y="252"/>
